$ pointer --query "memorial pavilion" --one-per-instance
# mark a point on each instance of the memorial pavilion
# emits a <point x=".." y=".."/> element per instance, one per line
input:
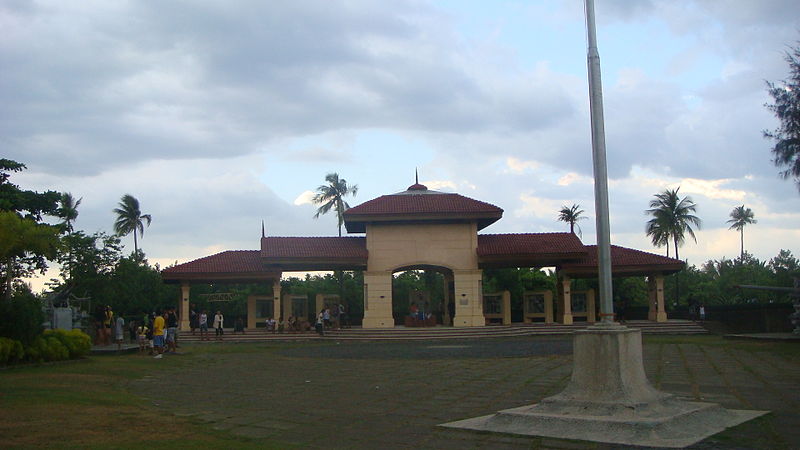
<point x="425" y="229"/>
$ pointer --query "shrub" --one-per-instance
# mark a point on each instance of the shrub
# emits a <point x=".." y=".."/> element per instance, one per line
<point x="22" y="318"/>
<point x="76" y="342"/>
<point x="10" y="350"/>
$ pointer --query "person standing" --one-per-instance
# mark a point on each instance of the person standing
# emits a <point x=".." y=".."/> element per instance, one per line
<point x="193" y="318"/>
<point x="702" y="313"/>
<point x="203" y="322"/>
<point x="108" y="321"/>
<point x="158" y="335"/>
<point x="141" y="336"/>
<point x="320" y="325"/>
<point x="219" y="320"/>
<point x="172" y="330"/>
<point x="119" y="331"/>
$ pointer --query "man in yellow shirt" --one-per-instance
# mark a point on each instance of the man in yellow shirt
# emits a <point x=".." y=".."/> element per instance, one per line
<point x="158" y="334"/>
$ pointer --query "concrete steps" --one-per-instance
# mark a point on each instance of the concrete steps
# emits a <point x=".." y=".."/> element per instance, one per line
<point x="683" y="327"/>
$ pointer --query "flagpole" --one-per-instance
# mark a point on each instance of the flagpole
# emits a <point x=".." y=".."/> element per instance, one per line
<point x="600" y="171"/>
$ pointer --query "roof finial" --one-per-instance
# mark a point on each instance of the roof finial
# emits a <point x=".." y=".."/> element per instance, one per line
<point x="262" y="229"/>
<point x="416" y="176"/>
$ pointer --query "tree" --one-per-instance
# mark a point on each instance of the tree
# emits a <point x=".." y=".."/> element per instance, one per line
<point x="741" y="216"/>
<point x="673" y="217"/>
<point x="658" y="230"/>
<point x="21" y="237"/>
<point x="68" y="209"/>
<point x="130" y="219"/>
<point x="786" y="107"/>
<point x="331" y="196"/>
<point x="570" y="215"/>
<point x="30" y="204"/>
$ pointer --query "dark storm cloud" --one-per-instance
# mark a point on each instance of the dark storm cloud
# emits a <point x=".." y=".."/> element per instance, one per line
<point x="86" y="87"/>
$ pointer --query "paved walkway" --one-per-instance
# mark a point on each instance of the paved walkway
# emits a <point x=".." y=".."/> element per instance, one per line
<point x="392" y="395"/>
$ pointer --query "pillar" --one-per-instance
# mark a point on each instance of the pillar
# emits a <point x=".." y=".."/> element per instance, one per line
<point x="446" y="319"/>
<point x="251" y="311"/>
<point x="184" y="307"/>
<point x="655" y="291"/>
<point x="548" y="307"/>
<point x="565" y="300"/>
<point x="378" y="300"/>
<point x="591" y="313"/>
<point x="506" y="308"/>
<point x="276" y="301"/>
<point x="469" y="295"/>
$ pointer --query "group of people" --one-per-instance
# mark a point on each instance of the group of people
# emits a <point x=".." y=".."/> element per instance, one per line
<point x="200" y="321"/>
<point x="107" y="322"/>
<point x="328" y="318"/>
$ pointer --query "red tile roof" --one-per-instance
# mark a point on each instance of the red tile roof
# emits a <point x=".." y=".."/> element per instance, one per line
<point x="529" y="243"/>
<point x="275" y="248"/>
<point x="626" y="260"/>
<point x="421" y="205"/>
<point x="231" y="261"/>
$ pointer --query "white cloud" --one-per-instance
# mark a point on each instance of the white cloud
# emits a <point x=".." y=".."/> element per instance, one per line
<point x="304" y="198"/>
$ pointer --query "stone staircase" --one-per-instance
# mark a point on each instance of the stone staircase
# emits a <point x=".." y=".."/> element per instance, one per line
<point x="683" y="327"/>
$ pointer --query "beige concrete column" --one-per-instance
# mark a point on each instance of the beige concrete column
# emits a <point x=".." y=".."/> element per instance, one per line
<point x="565" y="300"/>
<point x="286" y="300"/>
<point x="506" y="308"/>
<point x="591" y="315"/>
<point x="251" y="311"/>
<point x="319" y="303"/>
<point x="276" y="300"/>
<point x="548" y="307"/>
<point x="469" y="295"/>
<point x="183" y="307"/>
<point x="378" y="300"/>
<point x="655" y="291"/>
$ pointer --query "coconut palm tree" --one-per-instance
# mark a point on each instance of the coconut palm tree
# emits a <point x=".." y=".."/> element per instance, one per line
<point x="570" y="215"/>
<point x="675" y="216"/>
<point x="130" y="219"/>
<point x="68" y="209"/>
<point x="657" y="229"/>
<point x="331" y="196"/>
<point x="741" y="216"/>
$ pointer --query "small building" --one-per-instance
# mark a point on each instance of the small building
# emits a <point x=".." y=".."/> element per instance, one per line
<point x="425" y="229"/>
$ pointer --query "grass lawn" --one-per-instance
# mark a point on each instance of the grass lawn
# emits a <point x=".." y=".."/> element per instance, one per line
<point x="107" y="401"/>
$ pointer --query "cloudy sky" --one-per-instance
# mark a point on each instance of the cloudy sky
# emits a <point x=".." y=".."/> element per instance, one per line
<point x="216" y="115"/>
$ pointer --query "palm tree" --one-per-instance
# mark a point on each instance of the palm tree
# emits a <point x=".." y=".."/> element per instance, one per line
<point x="673" y="218"/>
<point x="68" y="209"/>
<point x="130" y="219"/>
<point x="658" y="231"/>
<point x="570" y="215"/>
<point x="331" y="196"/>
<point x="741" y="216"/>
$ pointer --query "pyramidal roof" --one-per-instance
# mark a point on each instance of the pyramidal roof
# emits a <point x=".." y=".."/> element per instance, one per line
<point x="419" y="204"/>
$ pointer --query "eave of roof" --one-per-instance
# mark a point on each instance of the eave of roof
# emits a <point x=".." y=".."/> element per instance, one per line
<point x="528" y="249"/>
<point x="417" y="206"/>
<point x="624" y="261"/>
<point x="314" y="253"/>
<point x="233" y="266"/>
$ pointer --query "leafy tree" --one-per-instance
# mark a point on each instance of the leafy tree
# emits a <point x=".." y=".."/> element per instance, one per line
<point x="68" y="209"/>
<point x="658" y="230"/>
<point x="331" y="196"/>
<point x="22" y="238"/>
<point x="30" y="204"/>
<point x="88" y="263"/>
<point x="785" y="267"/>
<point x="786" y="107"/>
<point x="740" y="217"/>
<point x="570" y="215"/>
<point x="672" y="216"/>
<point x="130" y="219"/>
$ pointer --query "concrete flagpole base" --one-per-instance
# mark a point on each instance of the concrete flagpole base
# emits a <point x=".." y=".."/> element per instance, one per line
<point x="609" y="399"/>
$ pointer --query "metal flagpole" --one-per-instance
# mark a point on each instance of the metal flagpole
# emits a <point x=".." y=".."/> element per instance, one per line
<point x="600" y="171"/>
